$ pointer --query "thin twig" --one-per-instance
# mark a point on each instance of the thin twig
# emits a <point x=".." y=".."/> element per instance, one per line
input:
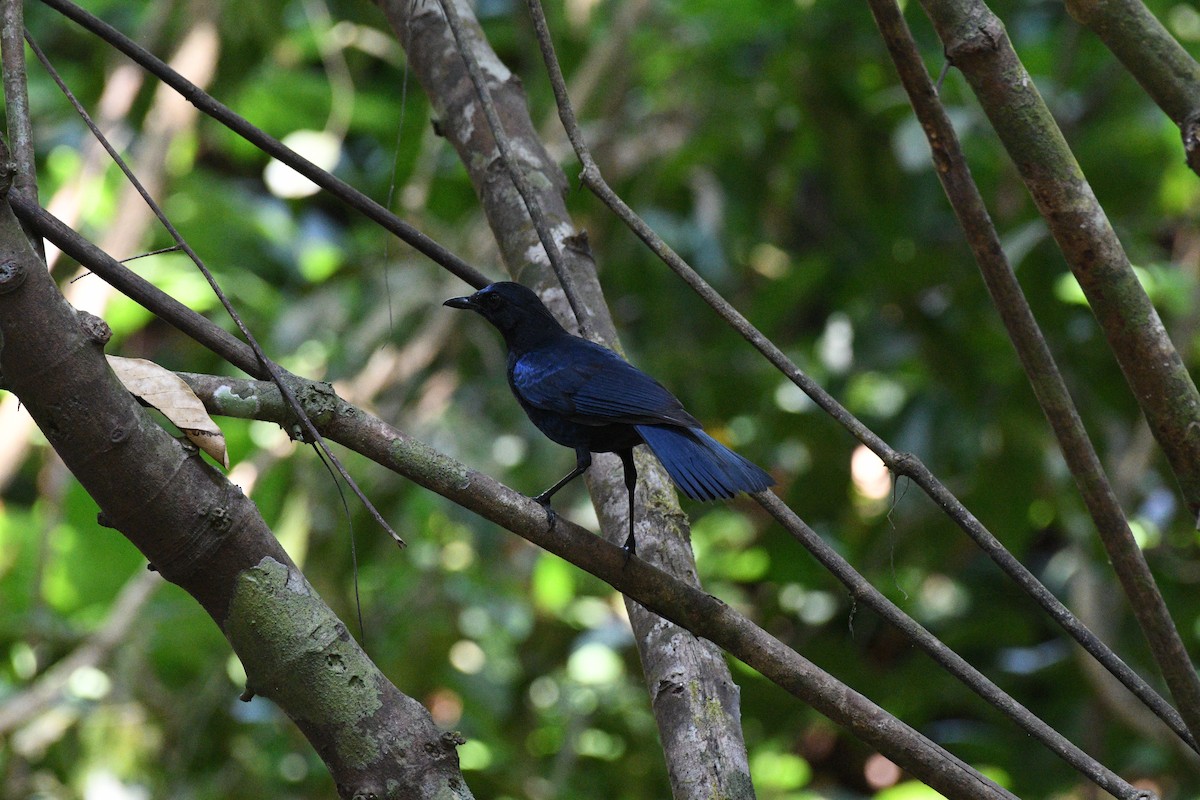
<point x="172" y="249"/>
<point x="135" y="287"/>
<point x="861" y="590"/>
<point x="1035" y="356"/>
<point x="901" y="463"/>
<point x="664" y="594"/>
<point x="16" y="105"/>
<point x="976" y="43"/>
<point x="267" y="364"/>
<point x="271" y="146"/>
<point x="513" y="166"/>
<point x="698" y="611"/>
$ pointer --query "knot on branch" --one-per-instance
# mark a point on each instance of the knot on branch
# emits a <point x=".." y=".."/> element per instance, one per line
<point x="451" y="740"/>
<point x="183" y="556"/>
<point x="1190" y="131"/>
<point x="12" y="275"/>
<point x="906" y="464"/>
<point x="8" y="171"/>
<point x="94" y="328"/>
<point x="981" y="39"/>
<point x="319" y="401"/>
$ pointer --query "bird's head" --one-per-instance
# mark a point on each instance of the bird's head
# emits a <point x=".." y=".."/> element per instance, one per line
<point x="515" y="310"/>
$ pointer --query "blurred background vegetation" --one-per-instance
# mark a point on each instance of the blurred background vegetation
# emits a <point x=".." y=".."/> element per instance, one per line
<point x="769" y="142"/>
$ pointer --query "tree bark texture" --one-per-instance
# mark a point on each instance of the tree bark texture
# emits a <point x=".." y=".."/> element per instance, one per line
<point x="665" y="594"/>
<point x="976" y="42"/>
<point x="200" y="532"/>
<point x="1160" y="64"/>
<point x="695" y="701"/>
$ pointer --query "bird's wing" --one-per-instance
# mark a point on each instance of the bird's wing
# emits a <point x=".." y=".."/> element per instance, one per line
<point x="592" y="385"/>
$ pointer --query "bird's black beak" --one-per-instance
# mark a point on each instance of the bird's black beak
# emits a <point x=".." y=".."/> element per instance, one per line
<point x="461" y="302"/>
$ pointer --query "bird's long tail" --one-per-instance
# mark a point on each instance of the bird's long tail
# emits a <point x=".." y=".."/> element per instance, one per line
<point x="702" y="467"/>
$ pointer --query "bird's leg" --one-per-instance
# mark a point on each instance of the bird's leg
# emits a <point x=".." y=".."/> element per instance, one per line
<point x="630" y="546"/>
<point x="583" y="460"/>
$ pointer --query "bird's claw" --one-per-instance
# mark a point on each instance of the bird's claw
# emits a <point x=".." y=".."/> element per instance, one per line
<point x="551" y="514"/>
<point x="629" y="548"/>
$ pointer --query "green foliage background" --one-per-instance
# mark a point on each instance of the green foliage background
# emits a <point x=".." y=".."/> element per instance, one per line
<point x="770" y="143"/>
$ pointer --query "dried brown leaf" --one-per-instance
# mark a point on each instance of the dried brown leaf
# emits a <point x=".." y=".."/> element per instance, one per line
<point x="167" y="392"/>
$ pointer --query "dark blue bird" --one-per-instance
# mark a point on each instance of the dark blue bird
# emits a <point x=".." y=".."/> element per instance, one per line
<point x="588" y="398"/>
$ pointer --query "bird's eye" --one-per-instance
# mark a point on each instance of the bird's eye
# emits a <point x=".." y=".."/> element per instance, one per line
<point x="492" y="300"/>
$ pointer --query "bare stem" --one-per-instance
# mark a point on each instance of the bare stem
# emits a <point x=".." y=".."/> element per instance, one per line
<point x="16" y="104"/>
<point x="660" y="592"/>
<point x="273" y="147"/>
<point x="901" y="463"/>
<point x="976" y="42"/>
<point x="511" y="164"/>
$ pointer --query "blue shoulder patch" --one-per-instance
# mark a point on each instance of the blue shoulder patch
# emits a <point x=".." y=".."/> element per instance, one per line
<point x="593" y="385"/>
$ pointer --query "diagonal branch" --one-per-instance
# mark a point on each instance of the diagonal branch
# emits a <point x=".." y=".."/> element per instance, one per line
<point x="1160" y="64"/>
<point x="658" y="591"/>
<point x="273" y="147"/>
<point x="976" y="42"/>
<point x="1048" y="384"/>
<point x="901" y="463"/>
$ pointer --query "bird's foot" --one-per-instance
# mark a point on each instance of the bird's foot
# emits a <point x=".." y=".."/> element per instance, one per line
<point x="630" y="548"/>
<point x="551" y="515"/>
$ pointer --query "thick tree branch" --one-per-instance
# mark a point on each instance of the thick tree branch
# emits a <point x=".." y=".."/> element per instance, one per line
<point x="1048" y="384"/>
<point x="659" y="592"/>
<point x="202" y="533"/>
<point x="976" y="42"/>
<point x="901" y="463"/>
<point x="1165" y="70"/>
<point x="694" y="698"/>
